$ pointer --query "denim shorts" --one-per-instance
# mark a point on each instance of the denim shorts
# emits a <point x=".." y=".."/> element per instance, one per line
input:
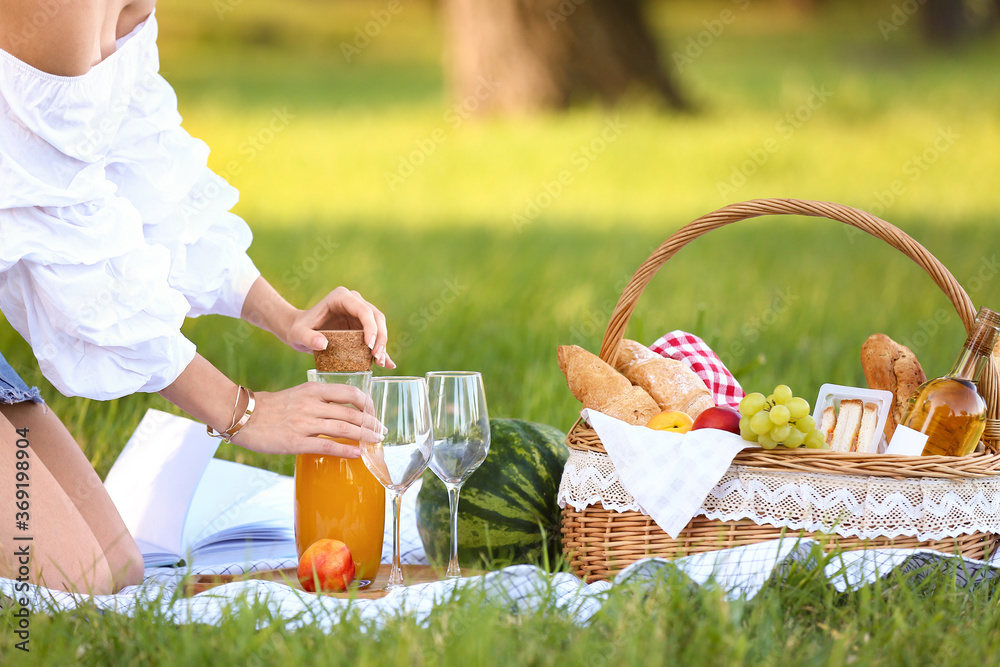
<point x="12" y="387"/>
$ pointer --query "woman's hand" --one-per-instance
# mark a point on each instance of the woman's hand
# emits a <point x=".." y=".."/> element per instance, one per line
<point x="340" y="309"/>
<point x="304" y="419"/>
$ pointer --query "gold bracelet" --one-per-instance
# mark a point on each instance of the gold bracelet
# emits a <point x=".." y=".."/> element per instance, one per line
<point x="251" y="403"/>
<point x="235" y="427"/>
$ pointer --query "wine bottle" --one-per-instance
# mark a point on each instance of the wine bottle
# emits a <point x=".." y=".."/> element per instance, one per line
<point x="949" y="409"/>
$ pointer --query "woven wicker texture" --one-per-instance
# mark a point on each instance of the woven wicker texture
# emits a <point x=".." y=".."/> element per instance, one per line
<point x="598" y="543"/>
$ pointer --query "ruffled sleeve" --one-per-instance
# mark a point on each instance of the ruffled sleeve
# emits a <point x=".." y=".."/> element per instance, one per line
<point x="112" y="229"/>
<point x="184" y="206"/>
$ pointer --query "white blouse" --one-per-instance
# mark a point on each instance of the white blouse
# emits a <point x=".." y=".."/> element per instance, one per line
<point x="112" y="227"/>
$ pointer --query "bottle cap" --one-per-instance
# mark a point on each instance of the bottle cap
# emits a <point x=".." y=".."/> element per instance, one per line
<point x="988" y="316"/>
<point x="346" y="351"/>
<point x="983" y="338"/>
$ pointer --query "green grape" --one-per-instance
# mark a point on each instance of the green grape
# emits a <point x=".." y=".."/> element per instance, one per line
<point x="799" y="407"/>
<point x="770" y="400"/>
<point x="766" y="442"/>
<point x="760" y="423"/>
<point x="782" y="394"/>
<point x="814" y="440"/>
<point x="781" y="433"/>
<point x="744" y="423"/>
<point x="752" y="404"/>
<point x="795" y="439"/>
<point x="779" y="415"/>
<point x="805" y="424"/>
<point x="748" y="435"/>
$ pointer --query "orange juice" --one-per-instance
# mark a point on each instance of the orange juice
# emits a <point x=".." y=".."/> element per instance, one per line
<point x="339" y="499"/>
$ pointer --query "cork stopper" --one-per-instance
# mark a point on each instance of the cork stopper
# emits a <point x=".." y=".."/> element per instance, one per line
<point x="984" y="337"/>
<point x="346" y="352"/>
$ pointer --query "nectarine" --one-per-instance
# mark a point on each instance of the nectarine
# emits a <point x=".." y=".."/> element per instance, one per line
<point x="721" y="417"/>
<point x="671" y="420"/>
<point x="327" y="566"/>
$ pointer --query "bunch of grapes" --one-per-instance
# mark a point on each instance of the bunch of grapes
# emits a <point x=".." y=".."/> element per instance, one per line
<point x="779" y="419"/>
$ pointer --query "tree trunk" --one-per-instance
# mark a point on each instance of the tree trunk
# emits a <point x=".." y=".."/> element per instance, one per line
<point x="522" y="56"/>
<point x="944" y="21"/>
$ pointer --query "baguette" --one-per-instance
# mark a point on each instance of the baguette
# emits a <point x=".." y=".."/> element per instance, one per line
<point x="671" y="383"/>
<point x="894" y="368"/>
<point x="600" y="387"/>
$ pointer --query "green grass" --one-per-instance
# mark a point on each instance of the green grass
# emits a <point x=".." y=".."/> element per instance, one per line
<point x="463" y="286"/>
<point x="922" y="617"/>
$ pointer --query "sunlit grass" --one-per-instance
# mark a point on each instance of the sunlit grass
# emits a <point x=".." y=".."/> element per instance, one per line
<point x="384" y="144"/>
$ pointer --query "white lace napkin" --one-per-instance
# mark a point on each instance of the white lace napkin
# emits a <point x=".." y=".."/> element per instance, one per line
<point x="669" y="474"/>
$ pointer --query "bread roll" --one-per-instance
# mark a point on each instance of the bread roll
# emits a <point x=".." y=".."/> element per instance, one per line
<point x="671" y="383"/>
<point x="600" y="387"/>
<point x="894" y="368"/>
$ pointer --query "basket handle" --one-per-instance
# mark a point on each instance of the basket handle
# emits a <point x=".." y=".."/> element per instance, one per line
<point x="897" y="238"/>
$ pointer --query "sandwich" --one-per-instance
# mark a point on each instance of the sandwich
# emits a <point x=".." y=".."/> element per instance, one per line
<point x="853" y="429"/>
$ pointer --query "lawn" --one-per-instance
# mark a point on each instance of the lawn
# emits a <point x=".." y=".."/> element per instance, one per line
<point x="480" y="263"/>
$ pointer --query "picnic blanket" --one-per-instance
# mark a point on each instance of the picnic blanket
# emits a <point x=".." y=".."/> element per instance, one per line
<point x="741" y="572"/>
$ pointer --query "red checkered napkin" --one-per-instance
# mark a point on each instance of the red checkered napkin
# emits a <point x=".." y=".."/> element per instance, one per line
<point x="693" y="351"/>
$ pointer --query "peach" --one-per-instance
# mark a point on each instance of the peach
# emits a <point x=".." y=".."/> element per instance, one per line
<point x="326" y="566"/>
<point x="721" y="417"/>
<point x="671" y="420"/>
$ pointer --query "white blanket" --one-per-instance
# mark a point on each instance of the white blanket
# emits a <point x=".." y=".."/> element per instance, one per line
<point x="741" y="572"/>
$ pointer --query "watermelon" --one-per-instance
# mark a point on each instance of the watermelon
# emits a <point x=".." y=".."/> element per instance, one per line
<point x="507" y="511"/>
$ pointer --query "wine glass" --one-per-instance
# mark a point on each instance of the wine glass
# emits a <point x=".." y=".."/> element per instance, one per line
<point x="400" y="405"/>
<point x="462" y="438"/>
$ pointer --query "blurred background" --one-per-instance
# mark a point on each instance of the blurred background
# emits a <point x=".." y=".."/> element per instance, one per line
<point x="491" y="172"/>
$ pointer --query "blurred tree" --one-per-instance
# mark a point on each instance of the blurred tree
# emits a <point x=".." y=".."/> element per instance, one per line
<point x="947" y="22"/>
<point x="529" y="55"/>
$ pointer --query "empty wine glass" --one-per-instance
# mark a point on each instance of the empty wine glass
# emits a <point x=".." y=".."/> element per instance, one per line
<point x="461" y="438"/>
<point x="400" y="405"/>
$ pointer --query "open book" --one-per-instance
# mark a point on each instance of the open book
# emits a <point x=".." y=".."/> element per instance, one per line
<point x="184" y="506"/>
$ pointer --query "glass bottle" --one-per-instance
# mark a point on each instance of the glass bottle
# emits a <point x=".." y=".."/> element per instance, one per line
<point x="339" y="498"/>
<point x="949" y="409"/>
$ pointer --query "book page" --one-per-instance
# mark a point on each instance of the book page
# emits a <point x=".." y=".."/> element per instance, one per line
<point x="154" y="479"/>
<point x="236" y="503"/>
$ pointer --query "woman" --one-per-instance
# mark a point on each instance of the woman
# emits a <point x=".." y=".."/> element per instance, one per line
<point x="112" y="231"/>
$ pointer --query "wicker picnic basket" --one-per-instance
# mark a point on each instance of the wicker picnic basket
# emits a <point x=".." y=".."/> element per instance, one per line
<point x="600" y="542"/>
